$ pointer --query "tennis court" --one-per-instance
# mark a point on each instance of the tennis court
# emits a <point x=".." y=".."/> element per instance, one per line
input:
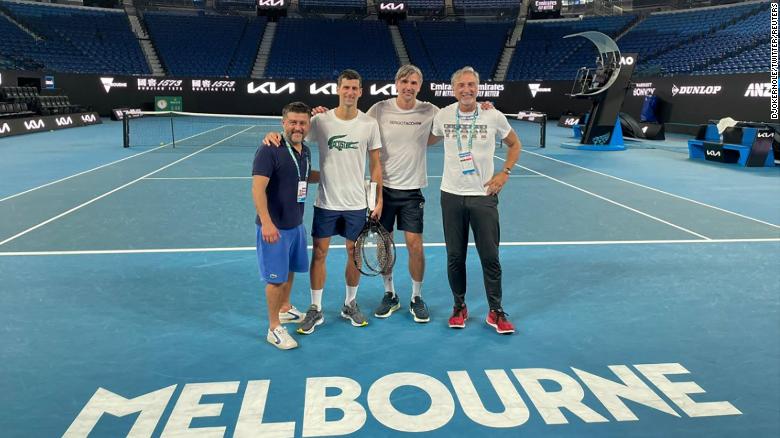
<point x="131" y="274"/>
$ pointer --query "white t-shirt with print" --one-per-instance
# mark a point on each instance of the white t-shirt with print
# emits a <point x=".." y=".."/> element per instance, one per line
<point x="490" y="126"/>
<point x="404" y="142"/>
<point x="343" y="147"/>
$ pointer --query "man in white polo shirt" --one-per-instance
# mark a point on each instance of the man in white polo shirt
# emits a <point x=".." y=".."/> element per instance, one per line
<point x="469" y="192"/>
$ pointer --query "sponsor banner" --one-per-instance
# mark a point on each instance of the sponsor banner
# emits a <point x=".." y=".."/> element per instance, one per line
<point x="536" y="88"/>
<point x="168" y="103"/>
<point x="272" y="4"/>
<point x="643" y="89"/>
<point x="46" y="123"/>
<point x="697" y="99"/>
<point x="213" y="86"/>
<point x="492" y="90"/>
<point x="130" y="113"/>
<point x="156" y="84"/>
<point x="109" y="83"/>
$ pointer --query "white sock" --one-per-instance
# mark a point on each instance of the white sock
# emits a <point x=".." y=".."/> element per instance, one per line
<point x="351" y="294"/>
<point x="316" y="298"/>
<point x="389" y="286"/>
<point x="416" y="289"/>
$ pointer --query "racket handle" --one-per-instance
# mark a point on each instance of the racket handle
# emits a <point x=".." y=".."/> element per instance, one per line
<point x="372" y="195"/>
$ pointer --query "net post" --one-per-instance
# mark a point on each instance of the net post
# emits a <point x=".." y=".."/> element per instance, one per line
<point x="125" y="130"/>
<point x="173" y="135"/>
<point x="543" y="131"/>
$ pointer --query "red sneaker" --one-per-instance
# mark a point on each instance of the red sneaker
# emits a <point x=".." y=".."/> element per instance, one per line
<point x="497" y="320"/>
<point x="459" y="317"/>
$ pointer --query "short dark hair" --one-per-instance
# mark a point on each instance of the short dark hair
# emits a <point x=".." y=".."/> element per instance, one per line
<point x="349" y="74"/>
<point x="296" y="107"/>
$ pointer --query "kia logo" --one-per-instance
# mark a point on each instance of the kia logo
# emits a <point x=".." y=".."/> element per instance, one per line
<point x="270" y="88"/>
<point x="329" y="88"/>
<point x="63" y="121"/>
<point x="387" y="90"/>
<point x="34" y="124"/>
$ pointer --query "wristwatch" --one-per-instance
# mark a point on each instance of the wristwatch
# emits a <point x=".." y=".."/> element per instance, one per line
<point x="508" y="170"/>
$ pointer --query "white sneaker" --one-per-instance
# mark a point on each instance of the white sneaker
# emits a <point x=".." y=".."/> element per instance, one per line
<point x="291" y="316"/>
<point x="281" y="339"/>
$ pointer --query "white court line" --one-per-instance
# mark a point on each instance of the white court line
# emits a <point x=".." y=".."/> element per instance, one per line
<point x="401" y="245"/>
<point x="116" y="189"/>
<point x="249" y="177"/>
<point x="198" y="177"/>
<point x="658" y="190"/>
<point x="99" y="167"/>
<point x="613" y="202"/>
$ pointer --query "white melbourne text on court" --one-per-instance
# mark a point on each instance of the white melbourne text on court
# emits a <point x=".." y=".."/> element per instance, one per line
<point x="611" y="391"/>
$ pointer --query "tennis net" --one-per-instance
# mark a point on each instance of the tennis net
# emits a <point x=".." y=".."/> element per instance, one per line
<point x="181" y="129"/>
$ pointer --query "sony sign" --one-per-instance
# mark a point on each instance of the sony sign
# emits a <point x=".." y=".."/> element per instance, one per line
<point x="270" y="88"/>
<point x="643" y="89"/>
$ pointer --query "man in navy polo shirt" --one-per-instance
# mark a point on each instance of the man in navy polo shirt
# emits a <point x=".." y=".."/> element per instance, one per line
<point x="279" y="187"/>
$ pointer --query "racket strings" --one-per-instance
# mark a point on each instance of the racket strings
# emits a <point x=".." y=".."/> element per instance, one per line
<point x="374" y="250"/>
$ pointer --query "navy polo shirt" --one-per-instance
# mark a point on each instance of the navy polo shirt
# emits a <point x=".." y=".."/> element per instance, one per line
<point x="282" y="190"/>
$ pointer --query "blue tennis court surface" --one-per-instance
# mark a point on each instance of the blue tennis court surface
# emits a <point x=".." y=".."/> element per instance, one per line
<point x="644" y="287"/>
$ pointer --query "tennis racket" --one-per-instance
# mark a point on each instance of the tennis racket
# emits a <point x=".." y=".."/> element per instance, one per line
<point x="374" y="247"/>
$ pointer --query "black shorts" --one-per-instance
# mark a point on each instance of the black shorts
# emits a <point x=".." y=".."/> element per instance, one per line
<point x="405" y="206"/>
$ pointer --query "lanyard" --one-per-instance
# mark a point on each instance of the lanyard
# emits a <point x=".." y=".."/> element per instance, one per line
<point x="471" y="129"/>
<point x="297" y="167"/>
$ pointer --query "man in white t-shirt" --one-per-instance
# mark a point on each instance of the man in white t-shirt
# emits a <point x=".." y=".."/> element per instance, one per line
<point x="344" y="136"/>
<point x="469" y="192"/>
<point x="404" y="124"/>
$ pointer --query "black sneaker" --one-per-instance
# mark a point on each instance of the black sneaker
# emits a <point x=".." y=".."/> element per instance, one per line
<point x="388" y="305"/>
<point x="419" y="310"/>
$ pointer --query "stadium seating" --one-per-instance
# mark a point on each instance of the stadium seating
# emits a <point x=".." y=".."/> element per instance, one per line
<point x="73" y="39"/>
<point x="205" y="45"/>
<point x="440" y="48"/>
<point x="543" y="53"/>
<point x="425" y="7"/>
<point x="320" y="49"/>
<point x="508" y="8"/>
<point x="674" y="43"/>
<point x="333" y="6"/>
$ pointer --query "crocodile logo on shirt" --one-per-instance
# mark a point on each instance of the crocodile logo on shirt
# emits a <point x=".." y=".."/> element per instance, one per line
<point x="335" y="142"/>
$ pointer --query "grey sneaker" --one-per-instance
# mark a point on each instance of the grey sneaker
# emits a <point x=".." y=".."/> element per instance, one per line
<point x="388" y="305"/>
<point x="353" y="314"/>
<point x="419" y="310"/>
<point x="312" y="319"/>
